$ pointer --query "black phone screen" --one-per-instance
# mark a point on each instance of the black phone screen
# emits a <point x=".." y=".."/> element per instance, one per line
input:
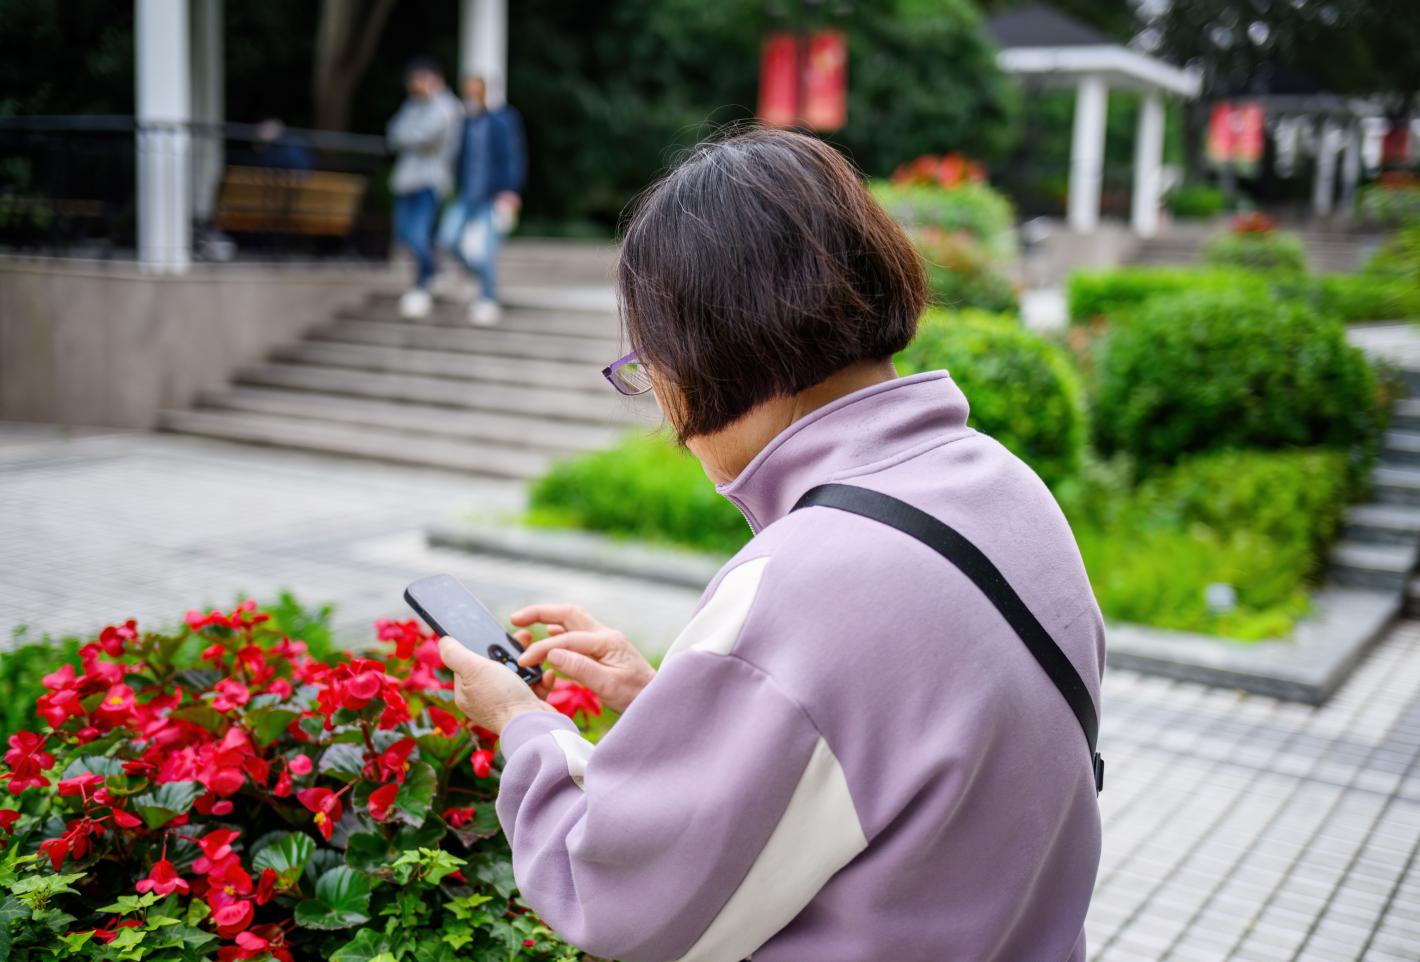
<point x="451" y="609"/>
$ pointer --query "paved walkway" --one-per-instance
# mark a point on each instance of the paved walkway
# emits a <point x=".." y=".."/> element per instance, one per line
<point x="1236" y="827"/>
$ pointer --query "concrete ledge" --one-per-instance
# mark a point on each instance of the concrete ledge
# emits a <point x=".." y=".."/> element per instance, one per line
<point x="1307" y="667"/>
<point x="581" y="549"/>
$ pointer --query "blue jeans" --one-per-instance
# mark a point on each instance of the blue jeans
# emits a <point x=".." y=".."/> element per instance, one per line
<point x="414" y="216"/>
<point x="461" y="217"/>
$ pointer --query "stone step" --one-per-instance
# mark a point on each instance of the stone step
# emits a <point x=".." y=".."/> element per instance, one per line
<point x="608" y="408"/>
<point x="1383" y="524"/>
<point x="598" y="352"/>
<point x="567" y="323"/>
<point x="514" y="372"/>
<point x="360" y="441"/>
<point x="1401" y="447"/>
<point x="558" y="437"/>
<point x="1379" y="566"/>
<point x="1405" y="415"/>
<point x="1396" y="485"/>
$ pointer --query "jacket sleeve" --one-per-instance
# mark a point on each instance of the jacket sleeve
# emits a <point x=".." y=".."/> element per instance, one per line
<point x="701" y="824"/>
<point x="418" y="127"/>
<point x="515" y="173"/>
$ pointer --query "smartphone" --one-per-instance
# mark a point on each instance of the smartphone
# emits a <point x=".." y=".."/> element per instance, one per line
<point x="451" y="609"/>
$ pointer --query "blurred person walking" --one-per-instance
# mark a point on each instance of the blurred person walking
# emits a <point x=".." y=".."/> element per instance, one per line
<point x="489" y="175"/>
<point x="425" y="133"/>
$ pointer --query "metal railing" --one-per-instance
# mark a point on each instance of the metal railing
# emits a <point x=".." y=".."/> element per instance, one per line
<point x="69" y="186"/>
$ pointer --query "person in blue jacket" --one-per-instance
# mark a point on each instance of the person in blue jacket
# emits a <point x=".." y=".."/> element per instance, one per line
<point x="489" y="173"/>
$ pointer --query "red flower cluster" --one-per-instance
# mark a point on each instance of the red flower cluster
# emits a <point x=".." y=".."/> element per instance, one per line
<point x="1253" y="222"/>
<point x="949" y="170"/>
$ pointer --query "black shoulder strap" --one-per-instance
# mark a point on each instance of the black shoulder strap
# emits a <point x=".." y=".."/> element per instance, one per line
<point x="950" y="544"/>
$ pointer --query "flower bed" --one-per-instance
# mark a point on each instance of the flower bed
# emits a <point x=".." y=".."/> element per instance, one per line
<point x="220" y="793"/>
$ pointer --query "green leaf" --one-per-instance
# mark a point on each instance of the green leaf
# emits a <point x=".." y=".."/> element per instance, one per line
<point x="343" y="761"/>
<point x="497" y="872"/>
<point x="484" y="825"/>
<point x="131" y="903"/>
<point x="74" y="941"/>
<point x="167" y="802"/>
<point x="321" y="862"/>
<point x="95" y="764"/>
<point x="267" y="724"/>
<point x="370" y="853"/>
<point x="416" y="795"/>
<point x="36" y="890"/>
<point x="342" y="900"/>
<point x="204" y="716"/>
<point x="366" y="946"/>
<point x="288" y="856"/>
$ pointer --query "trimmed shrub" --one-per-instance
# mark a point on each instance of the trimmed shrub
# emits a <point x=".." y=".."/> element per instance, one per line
<point x="969" y="208"/>
<point x="1222" y="369"/>
<point x="1399" y="258"/>
<point x="960" y="274"/>
<point x="1367" y="297"/>
<point x="1109" y="295"/>
<point x="1023" y="390"/>
<point x="644" y="487"/>
<point x="1393" y="205"/>
<point x="1196" y="201"/>
<point x="1265" y="250"/>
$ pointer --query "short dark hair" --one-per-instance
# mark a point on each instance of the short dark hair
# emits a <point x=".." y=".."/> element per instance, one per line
<point x="758" y="267"/>
<point x="422" y="64"/>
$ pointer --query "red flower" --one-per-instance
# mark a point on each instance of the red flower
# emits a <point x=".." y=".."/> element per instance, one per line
<point x="300" y="765"/>
<point x="108" y="935"/>
<point x="326" y="805"/>
<point x="446" y="722"/>
<point x="59" y="706"/>
<point x="482" y="762"/>
<point x="459" y="817"/>
<point x="124" y="820"/>
<point x="230" y="694"/>
<point x="112" y="639"/>
<point x="380" y="801"/>
<point x="216" y="850"/>
<point x="265" y="886"/>
<point x="570" y="698"/>
<point x="80" y="784"/>
<point x="28" y="747"/>
<point x="256" y="942"/>
<point x="392" y="764"/>
<point x="8" y="818"/>
<point x="61" y="679"/>
<point x="529" y="943"/>
<point x="227" y="884"/>
<point x="282" y="788"/>
<point x="163" y="879"/>
<point x="117" y="704"/>
<point x="233" y="918"/>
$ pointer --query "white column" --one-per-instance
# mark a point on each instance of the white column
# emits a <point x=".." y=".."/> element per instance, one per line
<point x="483" y="45"/>
<point x="1087" y="154"/>
<point x="1323" y="187"/>
<point x="1148" y="161"/>
<point x="1350" y="168"/>
<point x="208" y="104"/>
<point x="164" y="108"/>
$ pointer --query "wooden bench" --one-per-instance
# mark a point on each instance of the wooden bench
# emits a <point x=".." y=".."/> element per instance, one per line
<point x="315" y="203"/>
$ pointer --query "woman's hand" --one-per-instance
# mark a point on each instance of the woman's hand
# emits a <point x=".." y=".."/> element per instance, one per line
<point x="586" y="651"/>
<point x="488" y="693"/>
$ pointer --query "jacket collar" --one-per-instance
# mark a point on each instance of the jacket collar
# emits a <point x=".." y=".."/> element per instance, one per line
<point x="874" y="425"/>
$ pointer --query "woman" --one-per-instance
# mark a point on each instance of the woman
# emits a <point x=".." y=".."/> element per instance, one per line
<point x="848" y="754"/>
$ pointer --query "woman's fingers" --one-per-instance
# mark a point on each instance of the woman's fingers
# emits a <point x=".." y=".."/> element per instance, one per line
<point x="568" y="616"/>
<point x="584" y="642"/>
<point x="523" y="637"/>
<point x="585" y="671"/>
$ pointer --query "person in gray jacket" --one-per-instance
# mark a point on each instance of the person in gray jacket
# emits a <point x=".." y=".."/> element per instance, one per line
<point x="425" y="133"/>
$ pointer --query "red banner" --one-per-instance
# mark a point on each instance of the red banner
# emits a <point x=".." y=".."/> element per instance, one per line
<point x="1235" y="135"/>
<point x="815" y="69"/>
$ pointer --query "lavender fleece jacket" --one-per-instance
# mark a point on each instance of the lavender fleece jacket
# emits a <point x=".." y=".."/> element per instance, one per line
<point x="847" y="755"/>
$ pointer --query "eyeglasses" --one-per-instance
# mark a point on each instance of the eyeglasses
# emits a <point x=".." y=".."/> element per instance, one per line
<point x="628" y="375"/>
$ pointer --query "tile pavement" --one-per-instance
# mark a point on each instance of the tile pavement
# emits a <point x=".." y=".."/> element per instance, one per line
<point x="1237" y="827"/>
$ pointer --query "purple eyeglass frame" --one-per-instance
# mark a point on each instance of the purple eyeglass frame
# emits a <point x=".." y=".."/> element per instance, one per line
<point x="609" y="372"/>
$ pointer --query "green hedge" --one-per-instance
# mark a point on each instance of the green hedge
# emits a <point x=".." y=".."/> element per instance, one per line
<point x="1399" y="257"/>
<point x="973" y="209"/>
<point x="1259" y="521"/>
<point x="1223" y="369"/>
<point x="1391" y="205"/>
<point x="1096" y="295"/>
<point x="1023" y="390"/>
<point x="1196" y="201"/>
<point x="644" y="487"/>
<point x="961" y="275"/>
<point x="1367" y="297"/>
<point x="1257" y="251"/>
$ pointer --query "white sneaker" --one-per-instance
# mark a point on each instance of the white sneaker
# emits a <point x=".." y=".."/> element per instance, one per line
<point x="415" y="304"/>
<point x="485" y="313"/>
<point x="449" y="286"/>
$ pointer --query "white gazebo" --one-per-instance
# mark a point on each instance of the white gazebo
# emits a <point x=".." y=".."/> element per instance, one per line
<point x="1039" y="42"/>
<point x="179" y="70"/>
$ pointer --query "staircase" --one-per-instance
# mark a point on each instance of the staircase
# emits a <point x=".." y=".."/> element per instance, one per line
<point x="504" y="401"/>
<point x="1328" y="252"/>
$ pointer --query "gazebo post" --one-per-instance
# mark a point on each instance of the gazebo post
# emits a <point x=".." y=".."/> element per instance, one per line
<point x="208" y="104"/>
<point x="1350" y="167"/>
<point x="1087" y="153"/>
<point x="1323" y="187"/>
<point x="1148" y="158"/>
<point x="483" y="45"/>
<point x="164" y="110"/>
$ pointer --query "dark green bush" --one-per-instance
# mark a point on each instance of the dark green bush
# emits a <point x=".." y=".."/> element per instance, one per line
<point x="1195" y="201"/>
<point x="1257" y="251"/>
<point x="1367" y="297"/>
<point x="973" y="209"/>
<point x="1023" y="390"/>
<point x="1399" y="257"/>
<point x="960" y="273"/>
<point x="1259" y="521"/>
<point x="1208" y="370"/>
<point x="1392" y="205"/>
<point x="1109" y="295"/>
<point x="644" y="487"/>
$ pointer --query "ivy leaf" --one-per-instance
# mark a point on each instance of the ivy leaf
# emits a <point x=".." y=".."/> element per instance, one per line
<point x="495" y="872"/>
<point x="416" y="795"/>
<point x="36" y="890"/>
<point x="74" y="941"/>
<point x="365" y="947"/>
<point x="167" y="802"/>
<point x="287" y="855"/>
<point x="342" y="900"/>
<point x="131" y="903"/>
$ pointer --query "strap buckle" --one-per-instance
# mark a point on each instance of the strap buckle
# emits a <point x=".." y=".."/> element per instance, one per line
<point x="1099" y="773"/>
